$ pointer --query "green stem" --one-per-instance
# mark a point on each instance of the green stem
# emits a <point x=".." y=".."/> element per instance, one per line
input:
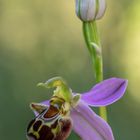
<point x="94" y="46"/>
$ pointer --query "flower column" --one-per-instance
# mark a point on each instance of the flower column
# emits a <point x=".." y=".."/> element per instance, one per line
<point x="89" y="11"/>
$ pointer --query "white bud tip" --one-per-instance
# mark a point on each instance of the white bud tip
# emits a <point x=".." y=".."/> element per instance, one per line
<point x="89" y="10"/>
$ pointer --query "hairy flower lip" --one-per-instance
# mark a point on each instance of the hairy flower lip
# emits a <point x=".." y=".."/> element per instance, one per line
<point x="86" y="123"/>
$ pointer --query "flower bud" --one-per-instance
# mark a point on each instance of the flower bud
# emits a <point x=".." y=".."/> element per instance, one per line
<point x="88" y="10"/>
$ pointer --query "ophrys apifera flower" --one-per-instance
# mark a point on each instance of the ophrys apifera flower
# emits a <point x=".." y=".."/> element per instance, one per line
<point x="67" y="110"/>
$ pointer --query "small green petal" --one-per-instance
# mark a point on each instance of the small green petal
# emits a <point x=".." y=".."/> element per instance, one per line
<point x="76" y="99"/>
<point x="62" y="90"/>
<point x="38" y="107"/>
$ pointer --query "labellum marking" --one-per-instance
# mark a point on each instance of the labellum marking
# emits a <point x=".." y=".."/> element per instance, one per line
<point x="46" y="133"/>
<point x="49" y="125"/>
<point x="51" y="112"/>
<point x="36" y="125"/>
<point x="30" y="124"/>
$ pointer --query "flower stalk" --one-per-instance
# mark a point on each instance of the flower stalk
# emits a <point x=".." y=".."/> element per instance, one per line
<point x="94" y="46"/>
<point x="89" y="11"/>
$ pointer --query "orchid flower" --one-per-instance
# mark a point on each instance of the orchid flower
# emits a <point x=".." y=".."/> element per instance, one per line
<point x="68" y="110"/>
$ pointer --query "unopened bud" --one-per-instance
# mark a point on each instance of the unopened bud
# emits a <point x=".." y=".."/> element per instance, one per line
<point x="89" y="10"/>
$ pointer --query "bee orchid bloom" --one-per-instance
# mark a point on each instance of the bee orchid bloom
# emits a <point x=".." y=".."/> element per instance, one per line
<point x="76" y="111"/>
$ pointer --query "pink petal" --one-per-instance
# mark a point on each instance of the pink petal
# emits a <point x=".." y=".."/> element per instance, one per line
<point x="106" y="92"/>
<point x="88" y="125"/>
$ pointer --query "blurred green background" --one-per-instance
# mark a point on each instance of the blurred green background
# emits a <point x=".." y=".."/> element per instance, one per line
<point x="40" y="39"/>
